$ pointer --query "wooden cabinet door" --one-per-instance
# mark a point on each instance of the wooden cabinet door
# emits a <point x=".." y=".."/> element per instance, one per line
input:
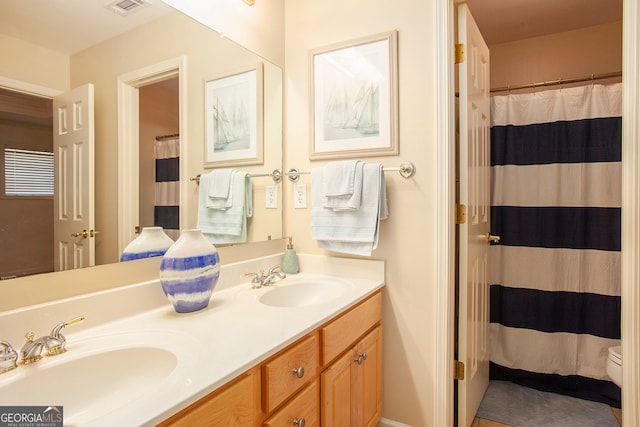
<point x="351" y="388"/>
<point x="337" y="385"/>
<point x="368" y="396"/>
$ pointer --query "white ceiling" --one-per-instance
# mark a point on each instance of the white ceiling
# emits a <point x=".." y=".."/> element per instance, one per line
<point x="502" y="21"/>
<point x="69" y="26"/>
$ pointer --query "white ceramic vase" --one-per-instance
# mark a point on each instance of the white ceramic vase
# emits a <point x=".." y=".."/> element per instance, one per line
<point x="151" y="242"/>
<point x="189" y="271"/>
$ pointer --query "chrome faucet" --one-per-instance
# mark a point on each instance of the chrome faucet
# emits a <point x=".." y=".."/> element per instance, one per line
<point x="54" y="343"/>
<point x="8" y="357"/>
<point x="260" y="280"/>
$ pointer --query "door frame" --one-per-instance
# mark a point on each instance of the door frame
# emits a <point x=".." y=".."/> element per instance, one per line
<point x="28" y="88"/>
<point x="445" y="194"/>
<point x="129" y="141"/>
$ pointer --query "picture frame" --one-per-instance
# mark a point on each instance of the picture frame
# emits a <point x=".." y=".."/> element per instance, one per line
<point x="234" y="118"/>
<point x="354" y="98"/>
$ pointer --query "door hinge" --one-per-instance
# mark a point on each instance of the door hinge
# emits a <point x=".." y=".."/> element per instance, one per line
<point x="458" y="370"/>
<point x="461" y="214"/>
<point x="459" y="55"/>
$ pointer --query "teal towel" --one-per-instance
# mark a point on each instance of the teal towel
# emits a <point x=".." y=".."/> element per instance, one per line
<point x="227" y="225"/>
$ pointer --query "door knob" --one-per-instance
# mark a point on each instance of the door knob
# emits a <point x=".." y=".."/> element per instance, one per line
<point x="492" y="239"/>
<point x="85" y="233"/>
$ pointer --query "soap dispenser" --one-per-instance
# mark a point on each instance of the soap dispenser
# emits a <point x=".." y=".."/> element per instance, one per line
<point x="290" y="260"/>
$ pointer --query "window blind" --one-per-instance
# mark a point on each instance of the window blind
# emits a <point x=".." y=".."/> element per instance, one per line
<point x="28" y="172"/>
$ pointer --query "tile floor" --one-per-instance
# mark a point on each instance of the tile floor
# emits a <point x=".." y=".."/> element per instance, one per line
<point x="481" y="422"/>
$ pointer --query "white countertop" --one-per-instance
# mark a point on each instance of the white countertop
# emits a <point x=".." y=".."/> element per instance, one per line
<point x="213" y="346"/>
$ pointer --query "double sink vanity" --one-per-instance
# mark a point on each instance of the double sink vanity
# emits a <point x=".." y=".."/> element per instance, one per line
<point x="305" y="347"/>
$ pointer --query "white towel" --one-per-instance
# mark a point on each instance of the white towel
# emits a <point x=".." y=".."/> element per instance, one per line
<point x="230" y="225"/>
<point x="218" y="185"/>
<point x="350" y="202"/>
<point x="352" y="232"/>
<point x="339" y="178"/>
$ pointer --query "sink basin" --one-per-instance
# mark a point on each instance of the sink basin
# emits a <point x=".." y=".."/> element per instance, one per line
<point x="95" y="376"/>
<point x="304" y="293"/>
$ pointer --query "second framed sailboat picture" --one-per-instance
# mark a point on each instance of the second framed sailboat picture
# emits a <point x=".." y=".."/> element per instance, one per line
<point x="233" y="116"/>
<point x="354" y="98"/>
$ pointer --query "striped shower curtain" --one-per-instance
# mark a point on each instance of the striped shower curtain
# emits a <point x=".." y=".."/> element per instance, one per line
<point x="555" y="275"/>
<point x="167" y="187"/>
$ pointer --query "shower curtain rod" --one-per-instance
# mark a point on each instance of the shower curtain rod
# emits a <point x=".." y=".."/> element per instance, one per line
<point x="170" y="136"/>
<point x="558" y="82"/>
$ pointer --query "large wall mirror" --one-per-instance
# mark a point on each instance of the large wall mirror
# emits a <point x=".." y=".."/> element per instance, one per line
<point x="162" y="105"/>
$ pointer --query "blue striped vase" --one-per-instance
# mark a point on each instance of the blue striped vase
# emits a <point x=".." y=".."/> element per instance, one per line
<point x="189" y="271"/>
<point x="151" y="242"/>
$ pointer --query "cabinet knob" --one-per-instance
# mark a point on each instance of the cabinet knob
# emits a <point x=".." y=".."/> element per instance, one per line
<point x="299" y="422"/>
<point x="361" y="358"/>
<point x="298" y="372"/>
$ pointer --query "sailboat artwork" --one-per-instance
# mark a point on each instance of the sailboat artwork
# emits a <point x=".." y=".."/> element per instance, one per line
<point x="355" y="98"/>
<point x="230" y="130"/>
<point x="234" y="118"/>
<point x="347" y="113"/>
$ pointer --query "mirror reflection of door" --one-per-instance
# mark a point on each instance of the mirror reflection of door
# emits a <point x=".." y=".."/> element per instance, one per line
<point x="159" y="124"/>
<point x="74" y="233"/>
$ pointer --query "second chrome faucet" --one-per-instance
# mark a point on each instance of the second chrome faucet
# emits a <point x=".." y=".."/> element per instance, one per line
<point x="262" y="279"/>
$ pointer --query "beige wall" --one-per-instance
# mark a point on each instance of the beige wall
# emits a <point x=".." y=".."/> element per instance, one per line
<point x="33" y="64"/>
<point x="577" y="53"/>
<point x="407" y="238"/>
<point x="208" y="56"/>
<point x="259" y="28"/>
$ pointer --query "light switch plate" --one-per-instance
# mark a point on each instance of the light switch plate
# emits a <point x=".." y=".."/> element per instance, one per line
<point x="271" y="197"/>
<point x="300" y="196"/>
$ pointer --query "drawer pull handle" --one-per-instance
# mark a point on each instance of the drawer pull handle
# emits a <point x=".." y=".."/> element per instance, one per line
<point x="298" y="372"/>
<point x="299" y="422"/>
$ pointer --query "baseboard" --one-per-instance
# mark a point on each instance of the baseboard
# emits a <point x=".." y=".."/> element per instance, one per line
<point x="390" y="423"/>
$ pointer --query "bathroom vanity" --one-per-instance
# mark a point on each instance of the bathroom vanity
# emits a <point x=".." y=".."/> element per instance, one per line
<point x="307" y="379"/>
<point x="305" y="348"/>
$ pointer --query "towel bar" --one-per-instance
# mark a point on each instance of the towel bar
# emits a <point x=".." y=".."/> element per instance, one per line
<point x="406" y="170"/>
<point x="276" y="175"/>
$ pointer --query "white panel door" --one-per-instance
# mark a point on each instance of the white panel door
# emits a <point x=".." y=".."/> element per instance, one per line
<point x="73" y="146"/>
<point x="473" y="317"/>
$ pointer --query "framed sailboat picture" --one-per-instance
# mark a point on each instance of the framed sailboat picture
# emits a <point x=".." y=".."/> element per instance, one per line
<point x="354" y="95"/>
<point x="233" y="118"/>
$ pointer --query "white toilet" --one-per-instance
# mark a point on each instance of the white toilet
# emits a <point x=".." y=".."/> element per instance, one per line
<point x="614" y="365"/>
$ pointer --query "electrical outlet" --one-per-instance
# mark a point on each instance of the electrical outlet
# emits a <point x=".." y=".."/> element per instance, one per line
<point x="271" y="197"/>
<point x="300" y="196"/>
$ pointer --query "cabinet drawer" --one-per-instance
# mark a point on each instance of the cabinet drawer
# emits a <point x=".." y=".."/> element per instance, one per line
<point x="235" y="405"/>
<point x="305" y="406"/>
<point x="289" y="371"/>
<point x="344" y="331"/>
